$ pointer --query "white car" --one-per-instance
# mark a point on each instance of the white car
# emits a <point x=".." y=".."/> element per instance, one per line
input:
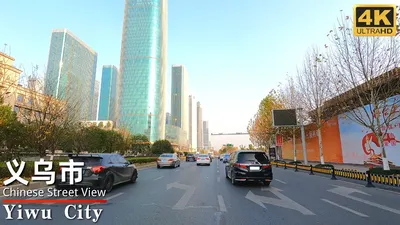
<point x="203" y="159"/>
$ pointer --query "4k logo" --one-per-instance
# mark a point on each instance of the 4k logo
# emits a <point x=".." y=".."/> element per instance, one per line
<point x="375" y="20"/>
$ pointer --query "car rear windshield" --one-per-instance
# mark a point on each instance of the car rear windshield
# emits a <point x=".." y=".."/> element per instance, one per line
<point x="253" y="157"/>
<point x="190" y="155"/>
<point x="167" y="155"/>
<point x="89" y="161"/>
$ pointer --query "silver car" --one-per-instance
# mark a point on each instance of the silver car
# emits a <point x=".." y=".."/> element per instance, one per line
<point x="169" y="160"/>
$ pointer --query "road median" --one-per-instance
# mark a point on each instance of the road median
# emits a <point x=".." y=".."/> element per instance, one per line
<point x="391" y="180"/>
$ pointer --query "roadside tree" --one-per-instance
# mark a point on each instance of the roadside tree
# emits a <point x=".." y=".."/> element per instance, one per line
<point x="162" y="146"/>
<point x="365" y="77"/>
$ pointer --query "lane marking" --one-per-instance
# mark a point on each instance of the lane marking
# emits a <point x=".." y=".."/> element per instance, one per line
<point x="221" y="203"/>
<point x="111" y="197"/>
<point x="345" y="208"/>
<point x="218" y="179"/>
<point x="159" y="178"/>
<point x="283" y="182"/>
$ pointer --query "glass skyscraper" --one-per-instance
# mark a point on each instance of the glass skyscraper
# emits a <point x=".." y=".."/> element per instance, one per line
<point x="108" y="93"/>
<point x="142" y="80"/>
<point x="71" y="73"/>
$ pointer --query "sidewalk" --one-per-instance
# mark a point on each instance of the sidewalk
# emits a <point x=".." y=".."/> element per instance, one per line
<point x="359" y="168"/>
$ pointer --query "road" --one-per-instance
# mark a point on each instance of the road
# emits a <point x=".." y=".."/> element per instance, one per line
<point x="194" y="195"/>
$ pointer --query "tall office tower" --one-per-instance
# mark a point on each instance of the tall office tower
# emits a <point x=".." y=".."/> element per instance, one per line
<point x="143" y="68"/>
<point x="179" y="100"/>
<point x="95" y="103"/>
<point x="168" y="118"/>
<point x="206" y="135"/>
<point x="192" y="123"/>
<point x="108" y="93"/>
<point x="199" y="127"/>
<point x="71" y="72"/>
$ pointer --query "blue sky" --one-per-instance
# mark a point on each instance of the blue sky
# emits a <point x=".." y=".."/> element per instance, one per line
<point x="235" y="51"/>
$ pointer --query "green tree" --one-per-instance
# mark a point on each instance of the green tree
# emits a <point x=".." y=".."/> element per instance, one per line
<point x="140" y="143"/>
<point x="162" y="146"/>
<point x="251" y="147"/>
<point x="12" y="132"/>
<point x="114" y="142"/>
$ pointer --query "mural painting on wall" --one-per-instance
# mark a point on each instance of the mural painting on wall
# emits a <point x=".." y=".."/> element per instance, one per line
<point x="361" y="146"/>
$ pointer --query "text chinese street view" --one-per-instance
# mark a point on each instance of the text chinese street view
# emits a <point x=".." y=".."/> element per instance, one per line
<point x="18" y="198"/>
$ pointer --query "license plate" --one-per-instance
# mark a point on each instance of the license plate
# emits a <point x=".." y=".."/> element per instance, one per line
<point x="164" y="160"/>
<point x="254" y="168"/>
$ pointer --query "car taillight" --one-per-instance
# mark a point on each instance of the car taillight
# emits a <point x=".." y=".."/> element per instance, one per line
<point x="98" y="169"/>
<point x="61" y="169"/>
<point x="266" y="166"/>
<point x="207" y="158"/>
<point x="198" y="158"/>
<point x="241" y="165"/>
<point x="170" y="160"/>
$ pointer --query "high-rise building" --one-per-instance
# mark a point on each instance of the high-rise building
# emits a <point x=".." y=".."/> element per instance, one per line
<point x="95" y="103"/>
<point x="168" y="118"/>
<point x="199" y="126"/>
<point x="143" y="68"/>
<point x="71" y="72"/>
<point x="108" y="93"/>
<point x="192" y="123"/>
<point x="179" y="100"/>
<point x="206" y="135"/>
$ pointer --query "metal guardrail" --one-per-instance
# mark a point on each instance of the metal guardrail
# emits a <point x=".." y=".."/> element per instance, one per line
<point x="392" y="180"/>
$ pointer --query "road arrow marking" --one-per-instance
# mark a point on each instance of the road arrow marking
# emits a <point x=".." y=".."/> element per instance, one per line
<point x="189" y="191"/>
<point x="283" y="201"/>
<point x="345" y="192"/>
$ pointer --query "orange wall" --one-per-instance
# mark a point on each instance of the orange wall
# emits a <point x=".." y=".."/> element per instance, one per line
<point x="331" y="143"/>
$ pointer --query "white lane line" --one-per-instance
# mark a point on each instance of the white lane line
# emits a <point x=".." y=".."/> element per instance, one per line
<point x="111" y="197"/>
<point x="283" y="182"/>
<point x="221" y="203"/>
<point x="345" y="208"/>
<point x="159" y="178"/>
<point x="219" y="179"/>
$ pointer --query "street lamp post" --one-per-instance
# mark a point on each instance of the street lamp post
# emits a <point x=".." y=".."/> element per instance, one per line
<point x="303" y="136"/>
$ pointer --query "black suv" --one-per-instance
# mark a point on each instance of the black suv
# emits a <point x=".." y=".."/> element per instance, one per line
<point x="249" y="166"/>
<point x="100" y="170"/>
<point x="190" y="157"/>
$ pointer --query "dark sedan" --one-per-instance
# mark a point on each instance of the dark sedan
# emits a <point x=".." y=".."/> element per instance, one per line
<point x="190" y="157"/>
<point x="100" y="170"/>
<point x="249" y="166"/>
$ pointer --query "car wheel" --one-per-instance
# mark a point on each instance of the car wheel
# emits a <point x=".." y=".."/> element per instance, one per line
<point x="209" y="164"/>
<point x="226" y="174"/>
<point x="179" y="165"/>
<point x="198" y="164"/>
<point x="108" y="184"/>
<point x="158" y="167"/>
<point x="134" y="176"/>
<point x="267" y="183"/>
<point x="233" y="179"/>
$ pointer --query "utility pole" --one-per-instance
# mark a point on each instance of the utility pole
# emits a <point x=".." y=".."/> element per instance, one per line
<point x="303" y="136"/>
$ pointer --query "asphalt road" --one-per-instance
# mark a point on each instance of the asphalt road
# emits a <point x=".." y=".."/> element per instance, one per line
<point x="193" y="195"/>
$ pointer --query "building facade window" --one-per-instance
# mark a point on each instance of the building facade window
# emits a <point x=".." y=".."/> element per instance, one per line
<point x="20" y="98"/>
<point x="16" y="109"/>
